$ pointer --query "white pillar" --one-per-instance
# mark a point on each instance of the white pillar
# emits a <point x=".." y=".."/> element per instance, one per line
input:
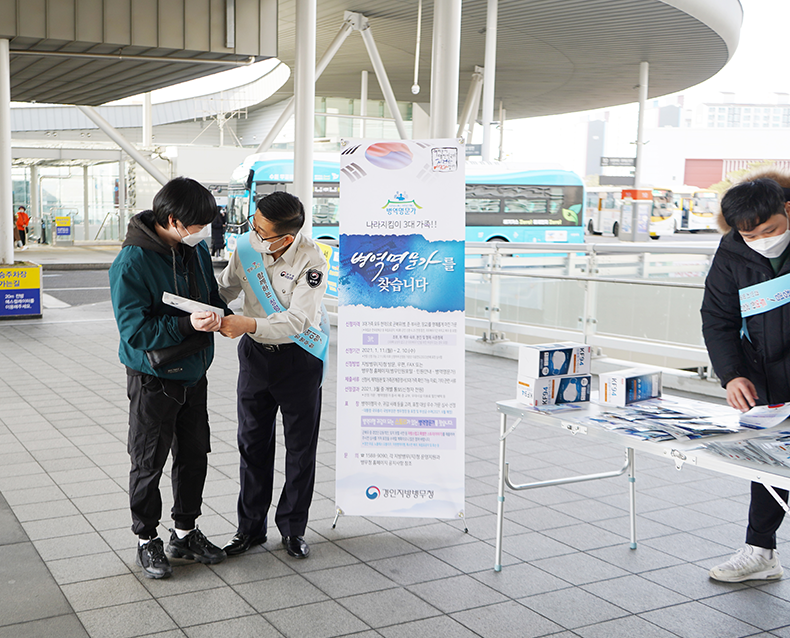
<point x="148" y="125"/>
<point x="488" y="77"/>
<point x="304" y="94"/>
<point x="644" y="67"/>
<point x="36" y="214"/>
<point x="6" y="187"/>
<point x="288" y="111"/>
<point x="445" y="65"/>
<point x="121" y="199"/>
<point x="363" y="103"/>
<point x="115" y="135"/>
<point x="85" y="203"/>
<point x="381" y="76"/>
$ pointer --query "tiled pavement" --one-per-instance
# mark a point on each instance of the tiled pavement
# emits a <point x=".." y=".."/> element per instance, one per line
<point x="67" y="566"/>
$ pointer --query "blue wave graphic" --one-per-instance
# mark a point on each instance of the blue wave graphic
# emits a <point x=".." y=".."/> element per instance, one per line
<point x="398" y="271"/>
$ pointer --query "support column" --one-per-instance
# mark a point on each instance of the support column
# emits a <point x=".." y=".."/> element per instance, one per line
<point x="6" y="187"/>
<point x="488" y="77"/>
<point x="644" y="68"/>
<point x="363" y="25"/>
<point x="445" y="65"/>
<point x="93" y="115"/>
<point x="36" y="214"/>
<point x="288" y="111"/>
<point x="121" y="199"/>
<point x="85" y="203"/>
<point x="304" y="94"/>
<point x="363" y="104"/>
<point x="148" y="125"/>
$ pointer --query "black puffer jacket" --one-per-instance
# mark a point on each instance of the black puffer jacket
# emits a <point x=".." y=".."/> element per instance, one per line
<point x="764" y="357"/>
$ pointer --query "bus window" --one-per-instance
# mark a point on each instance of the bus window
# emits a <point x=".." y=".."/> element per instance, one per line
<point x="482" y="205"/>
<point x="527" y="206"/>
<point x="325" y="211"/>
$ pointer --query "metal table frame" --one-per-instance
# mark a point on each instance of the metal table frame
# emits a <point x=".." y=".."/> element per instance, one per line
<point x="680" y="452"/>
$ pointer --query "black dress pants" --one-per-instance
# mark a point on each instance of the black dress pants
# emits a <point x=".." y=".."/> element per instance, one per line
<point x="765" y="517"/>
<point x="287" y="378"/>
<point x="166" y="416"/>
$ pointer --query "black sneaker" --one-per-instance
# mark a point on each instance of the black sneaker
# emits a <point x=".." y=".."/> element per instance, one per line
<point x="151" y="557"/>
<point x="194" y="546"/>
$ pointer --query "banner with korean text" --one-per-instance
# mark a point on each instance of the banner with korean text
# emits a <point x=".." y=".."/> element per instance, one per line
<point x="400" y="414"/>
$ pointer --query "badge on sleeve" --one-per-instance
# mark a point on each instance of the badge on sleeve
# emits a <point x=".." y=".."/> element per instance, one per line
<point x="314" y="277"/>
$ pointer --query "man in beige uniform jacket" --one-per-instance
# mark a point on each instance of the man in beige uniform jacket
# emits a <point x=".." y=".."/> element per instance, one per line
<point x="276" y="373"/>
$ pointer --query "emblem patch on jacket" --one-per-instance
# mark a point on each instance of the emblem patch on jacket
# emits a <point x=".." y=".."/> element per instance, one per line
<point x="314" y="278"/>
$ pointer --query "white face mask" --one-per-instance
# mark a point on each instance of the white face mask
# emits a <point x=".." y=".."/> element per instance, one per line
<point x="264" y="247"/>
<point x="771" y="247"/>
<point x="193" y="239"/>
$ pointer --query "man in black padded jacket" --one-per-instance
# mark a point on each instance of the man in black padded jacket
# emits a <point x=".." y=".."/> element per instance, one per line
<point x="750" y="350"/>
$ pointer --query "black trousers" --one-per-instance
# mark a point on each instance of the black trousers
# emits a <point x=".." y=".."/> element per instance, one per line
<point x="289" y="379"/>
<point x="165" y="416"/>
<point x="765" y="517"/>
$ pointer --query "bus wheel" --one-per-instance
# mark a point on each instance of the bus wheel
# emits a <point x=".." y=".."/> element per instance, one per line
<point x="616" y="229"/>
<point x="591" y="228"/>
<point x="654" y="236"/>
<point x="496" y="239"/>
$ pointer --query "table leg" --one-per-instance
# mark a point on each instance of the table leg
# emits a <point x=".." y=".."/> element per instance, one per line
<point x="632" y="494"/>
<point x="500" y="513"/>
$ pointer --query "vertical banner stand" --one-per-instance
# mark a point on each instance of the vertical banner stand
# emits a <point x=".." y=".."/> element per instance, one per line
<point x="400" y="414"/>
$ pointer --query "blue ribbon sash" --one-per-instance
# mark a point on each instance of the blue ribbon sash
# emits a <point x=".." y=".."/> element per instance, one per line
<point x="314" y="340"/>
<point x="764" y="296"/>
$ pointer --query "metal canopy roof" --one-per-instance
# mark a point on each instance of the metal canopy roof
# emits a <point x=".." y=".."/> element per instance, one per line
<point x="553" y="56"/>
<point x="111" y="75"/>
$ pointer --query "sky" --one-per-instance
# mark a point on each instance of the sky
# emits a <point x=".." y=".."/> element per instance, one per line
<point x="755" y="72"/>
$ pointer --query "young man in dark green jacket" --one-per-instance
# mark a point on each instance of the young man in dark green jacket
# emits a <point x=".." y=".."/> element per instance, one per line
<point x="167" y="352"/>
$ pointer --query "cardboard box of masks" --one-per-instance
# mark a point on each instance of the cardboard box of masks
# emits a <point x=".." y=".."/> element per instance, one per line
<point x="553" y="359"/>
<point x="624" y="387"/>
<point x="550" y="390"/>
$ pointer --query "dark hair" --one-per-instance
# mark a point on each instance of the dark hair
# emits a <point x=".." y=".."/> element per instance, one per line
<point x="749" y="204"/>
<point x="284" y="211"/>
<point x="22" y="207"/>
<point x="187" y="201"/>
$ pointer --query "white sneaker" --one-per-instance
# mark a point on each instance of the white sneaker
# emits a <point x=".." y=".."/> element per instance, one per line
<point x="747" y="564"/>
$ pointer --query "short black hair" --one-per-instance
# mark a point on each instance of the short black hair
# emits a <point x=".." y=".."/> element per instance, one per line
<point x="187" y="201"/>
<point x="284" y="211"/>
<point x="22" y="207"/>
<point x="749" y="204"/>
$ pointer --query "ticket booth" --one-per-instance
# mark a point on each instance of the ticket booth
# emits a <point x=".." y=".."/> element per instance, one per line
<point x="635" y="214"/>
<point x="20" y="290"/>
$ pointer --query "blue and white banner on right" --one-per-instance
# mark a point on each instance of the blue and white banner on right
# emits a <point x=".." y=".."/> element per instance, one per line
<point x="400" y="404"/>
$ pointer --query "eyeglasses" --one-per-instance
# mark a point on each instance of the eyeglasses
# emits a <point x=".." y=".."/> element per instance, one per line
<point x="251" y="222"/>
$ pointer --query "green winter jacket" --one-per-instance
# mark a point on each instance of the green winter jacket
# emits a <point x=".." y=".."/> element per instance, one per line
<point x="144" y="269"/>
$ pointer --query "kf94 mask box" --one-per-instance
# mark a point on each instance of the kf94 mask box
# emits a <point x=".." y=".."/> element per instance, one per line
<point x="550" y="390"/>
<point x="553" y="359"/>
<point x="624" y="387"/>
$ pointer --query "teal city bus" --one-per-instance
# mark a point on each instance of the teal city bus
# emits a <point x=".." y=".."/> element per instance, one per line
<point x="503" y="202"/>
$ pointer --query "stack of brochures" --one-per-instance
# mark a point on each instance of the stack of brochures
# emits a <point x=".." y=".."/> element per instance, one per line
<point x="660" y="420"/>
<point x="768" y="449"/>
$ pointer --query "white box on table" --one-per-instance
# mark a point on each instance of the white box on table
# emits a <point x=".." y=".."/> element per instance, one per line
<point x="623" y="387"/>
<point x="553" y="359"/>
<point x="536" y="392"/>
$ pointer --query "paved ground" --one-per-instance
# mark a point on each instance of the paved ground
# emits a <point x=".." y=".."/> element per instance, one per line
<point x="67" y="554"/>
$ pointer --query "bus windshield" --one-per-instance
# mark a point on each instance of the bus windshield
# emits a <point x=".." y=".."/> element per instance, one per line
<point x="663" y="203"/>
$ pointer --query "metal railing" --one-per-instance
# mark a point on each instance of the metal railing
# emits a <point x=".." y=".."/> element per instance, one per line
<point x="635" y="301"/>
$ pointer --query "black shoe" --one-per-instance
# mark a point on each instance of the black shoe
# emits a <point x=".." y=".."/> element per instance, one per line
<point x="296" y="546"/>
<point x="151" y="557"/>
<point x="194" y="546"/>
<point x="241" y="542"/>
